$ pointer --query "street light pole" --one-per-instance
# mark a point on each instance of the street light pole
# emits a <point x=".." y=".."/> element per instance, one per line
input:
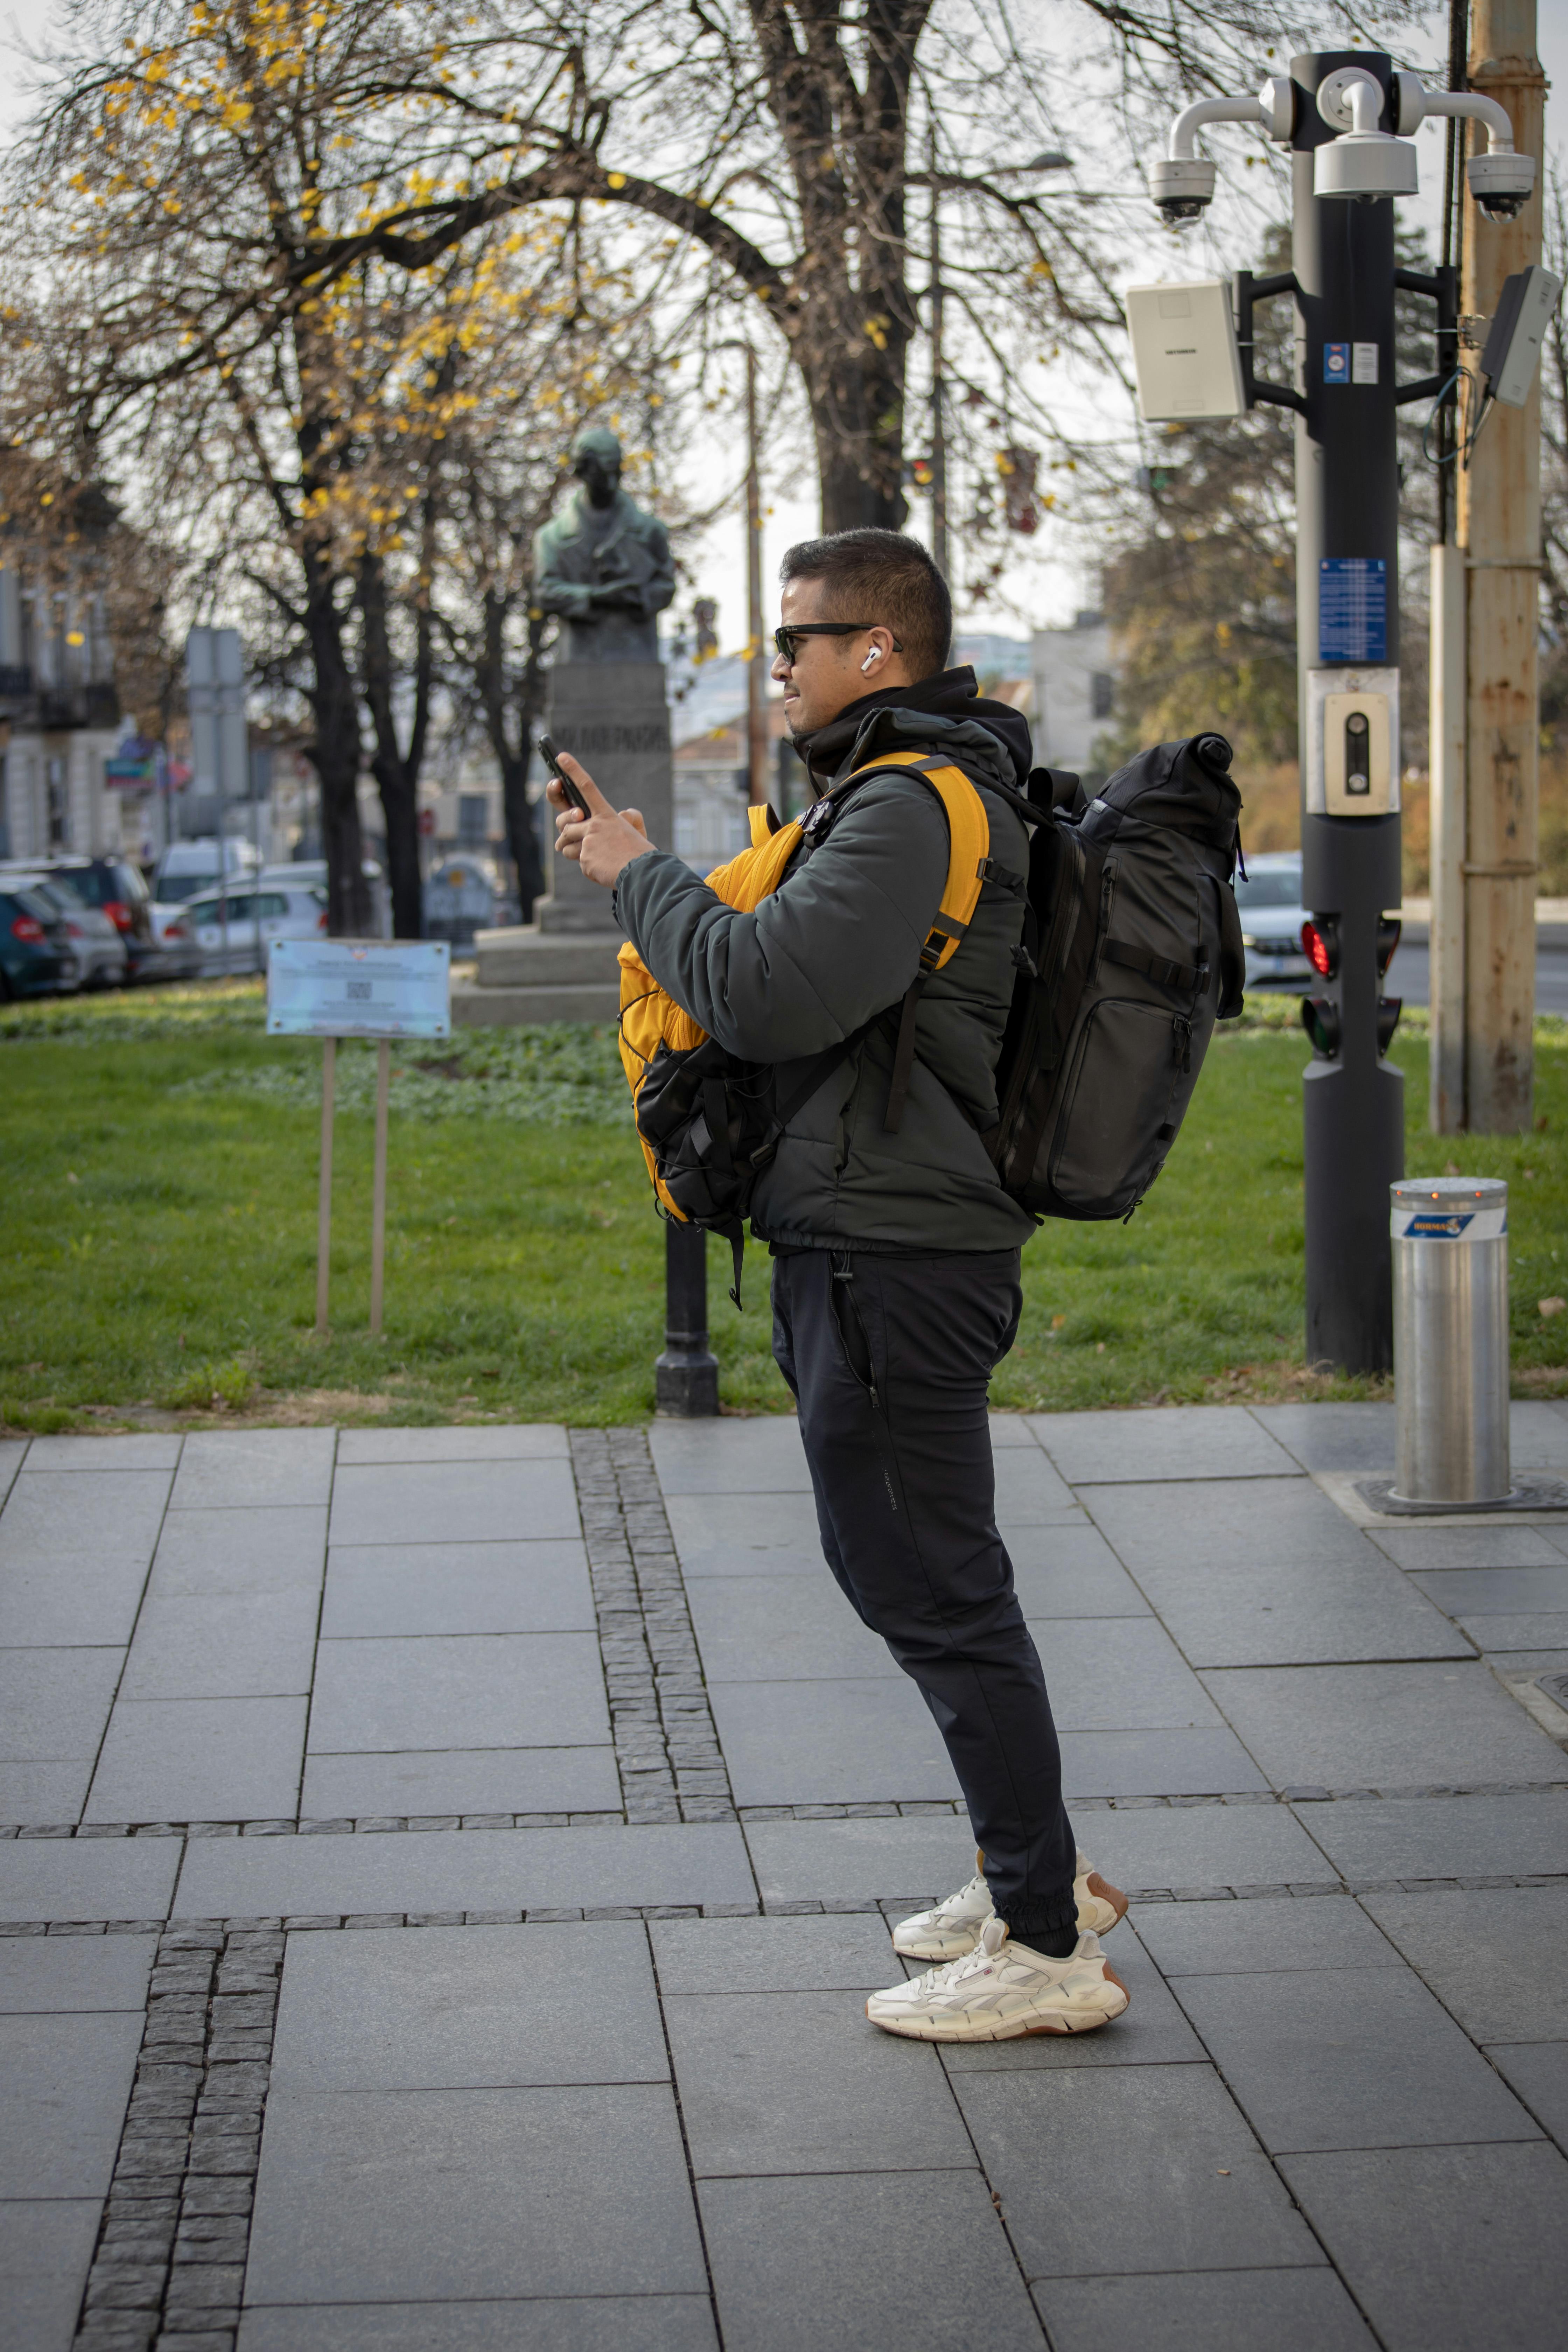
<point x="1347" y="638"/>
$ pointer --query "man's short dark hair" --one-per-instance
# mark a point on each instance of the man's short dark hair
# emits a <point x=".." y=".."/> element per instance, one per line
<point x="885" y="579"/>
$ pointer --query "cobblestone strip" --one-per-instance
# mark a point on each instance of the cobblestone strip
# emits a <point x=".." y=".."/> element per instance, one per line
<point x="667" y="1750"/>
<point x="170" y="2262"/>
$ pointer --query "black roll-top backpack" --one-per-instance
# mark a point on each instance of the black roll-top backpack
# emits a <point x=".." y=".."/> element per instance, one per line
<point x="1131" y="951"/>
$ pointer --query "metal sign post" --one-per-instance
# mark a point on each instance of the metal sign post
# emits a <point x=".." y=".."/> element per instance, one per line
<point x="357" y="988"/>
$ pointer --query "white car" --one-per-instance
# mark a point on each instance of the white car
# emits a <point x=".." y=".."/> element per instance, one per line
<point x="1269" y="902"/>
<point x="256" y="916"/>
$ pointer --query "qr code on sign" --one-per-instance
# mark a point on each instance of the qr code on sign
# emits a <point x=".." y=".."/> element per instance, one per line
<point x="358" y="992"/>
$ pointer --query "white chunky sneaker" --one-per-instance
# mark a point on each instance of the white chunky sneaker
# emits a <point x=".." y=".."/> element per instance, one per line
<point x="953" y="1927"/>
<point x="1001" y="1990"/>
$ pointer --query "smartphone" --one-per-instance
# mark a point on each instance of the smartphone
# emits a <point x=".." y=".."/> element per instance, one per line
<point x="551" y="759"/>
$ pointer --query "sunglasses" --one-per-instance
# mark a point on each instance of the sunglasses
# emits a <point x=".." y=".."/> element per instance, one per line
<point x="787" y="639"/>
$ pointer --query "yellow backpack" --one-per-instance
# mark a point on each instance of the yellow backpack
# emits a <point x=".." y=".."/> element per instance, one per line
<point x="707" y="1121"/>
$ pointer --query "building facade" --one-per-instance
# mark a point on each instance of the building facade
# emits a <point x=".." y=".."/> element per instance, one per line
<point x="1075" y="694"/>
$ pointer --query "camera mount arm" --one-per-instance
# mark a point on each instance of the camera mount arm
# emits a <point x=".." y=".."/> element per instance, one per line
<point x="1248" y="290"/>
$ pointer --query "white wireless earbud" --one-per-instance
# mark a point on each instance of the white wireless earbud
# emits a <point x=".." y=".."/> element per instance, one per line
<point x="874" y="656"/>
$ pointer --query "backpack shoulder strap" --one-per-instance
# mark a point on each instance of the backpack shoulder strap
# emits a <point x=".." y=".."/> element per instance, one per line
<point x="968" y="859"/>
<point x="757" y="872"/>
<point x="969" y="846"/>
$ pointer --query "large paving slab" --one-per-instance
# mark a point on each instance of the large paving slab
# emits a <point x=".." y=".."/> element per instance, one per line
<point x="446" y="1780"/>
<point x="472" y="1690"/>
<point x="1177" y="1763"/>
<point x="1398" y="1725"/>
<point x="222" y="1645"/>
<point x="404" y="2195"/>
<point x="72" y="1973"/>
<point x="64" y="2083"/>
<point x="1512" y="1835"/>
<point x="1497" y="1960"/>
<point x="783" y="1629"/>
<point x="1267" y="1933"/>
<point x="54" y="1704"/>
<point x="45" y="2246"/>
<point x="1194" y="1441"/>
<point x="235" y="1469"/>
<point x="131" y="1450"/>
<point x="809" y="1953"/>
<point x="1324" y="2058"/>
<point x="76" y="1878"/>
<point x="829" y="1743"/>
<point x="270" y="1549"/>
<point x="744" y="1535"/>
<point x="759" y="1457"/>
<point x="644" y="2323"/>
<point x="1260" y="1572"/>
<point x="864" y="2261"/>
<point x="80" y="1601"/>
<point x="471" y="1870"/>
<point x="457" y="2008"/>
<point x="1446" y="2249"/>
<point x="54" y="1513"/>
<point x="1203" y="2311"/>
<point x="1331" y="1436"/>
<point x="1166" y="2174"/>
<point x="1537" y="2071"/>
<point x="798" y="2082"/>
<point x="540" y="1441"/>
<point x="491" y="1588"/>
<point x="191" y="1759"/>
<point x="453" y="1502"/>
<point x="1070" y="1571"/>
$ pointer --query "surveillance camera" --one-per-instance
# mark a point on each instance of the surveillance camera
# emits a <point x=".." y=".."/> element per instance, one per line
<point x="1182" y="187"/>
<point x="1501" y="183"/>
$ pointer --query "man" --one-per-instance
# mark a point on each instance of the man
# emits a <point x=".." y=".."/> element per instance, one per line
<point x="896" y="1281"/>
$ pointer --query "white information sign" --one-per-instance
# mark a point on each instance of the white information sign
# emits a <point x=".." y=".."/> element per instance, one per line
<point x="359" y="988"/>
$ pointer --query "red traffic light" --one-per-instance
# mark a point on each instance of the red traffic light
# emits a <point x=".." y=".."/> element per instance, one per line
<point x="1321" y="1019"/>
<point x="1321" y="944"/>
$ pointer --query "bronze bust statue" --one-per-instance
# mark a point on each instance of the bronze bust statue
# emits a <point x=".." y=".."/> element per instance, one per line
<point x="604" y="566"/>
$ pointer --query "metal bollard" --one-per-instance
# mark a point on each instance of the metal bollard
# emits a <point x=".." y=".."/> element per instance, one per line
<point x="685" y="1376"/>
<point x="1450" y="1341"/>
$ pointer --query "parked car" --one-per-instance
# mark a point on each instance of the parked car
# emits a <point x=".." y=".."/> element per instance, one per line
<point x="188" y="869"/>
<point x="115" y="888"/>
<point x="256" y="916"/>
<point x="312" y="871"/>
<point x="1269" y="902"/>
<point x="37" y="958"/>
<point x="171" y="929"/>
<point x="103" y="957"/>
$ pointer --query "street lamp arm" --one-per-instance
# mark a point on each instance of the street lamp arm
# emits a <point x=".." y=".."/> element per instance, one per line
<point x="1209" y="109"/>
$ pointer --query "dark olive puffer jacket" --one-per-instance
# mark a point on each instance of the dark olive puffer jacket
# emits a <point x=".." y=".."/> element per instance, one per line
<point x="837" y="943"/>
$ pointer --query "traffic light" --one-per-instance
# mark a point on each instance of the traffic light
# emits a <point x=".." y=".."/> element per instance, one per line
<point x="1388" y="1012"/>
<point x="1321" y="1019"/>
<point x="1321" y="944"/>
<point x="1388" y="933"/>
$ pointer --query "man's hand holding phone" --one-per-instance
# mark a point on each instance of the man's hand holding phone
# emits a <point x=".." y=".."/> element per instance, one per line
<point x="600" y="840"/>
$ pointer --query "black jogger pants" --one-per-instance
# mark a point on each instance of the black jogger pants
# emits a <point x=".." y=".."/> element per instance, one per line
<point x="889" y="1359"/>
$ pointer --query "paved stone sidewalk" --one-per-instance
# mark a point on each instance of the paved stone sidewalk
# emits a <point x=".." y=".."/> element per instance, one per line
<point x="448" y="1865"/>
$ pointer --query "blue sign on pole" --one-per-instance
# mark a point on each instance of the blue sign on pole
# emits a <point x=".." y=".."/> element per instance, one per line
<point x="1352" y="609"/>
<point x="1336" y="363"/>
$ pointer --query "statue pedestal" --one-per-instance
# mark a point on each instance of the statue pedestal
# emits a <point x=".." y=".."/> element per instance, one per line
<point x="561" y="967"/>
<point x="613" y="716"/>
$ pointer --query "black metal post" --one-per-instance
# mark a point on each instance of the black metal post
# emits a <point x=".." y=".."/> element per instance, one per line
<point x="685" y="1376"/>
<point x="1347" y="507"/>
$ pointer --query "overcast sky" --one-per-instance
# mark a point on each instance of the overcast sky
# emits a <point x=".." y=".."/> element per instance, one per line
<point x="1050" y="581"/>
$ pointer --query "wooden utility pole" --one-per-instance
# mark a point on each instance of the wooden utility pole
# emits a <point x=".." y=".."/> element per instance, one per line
<point x="1500" y="535"/>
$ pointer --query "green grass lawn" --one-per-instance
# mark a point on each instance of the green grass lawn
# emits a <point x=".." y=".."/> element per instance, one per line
<point x="158" y="1196"/>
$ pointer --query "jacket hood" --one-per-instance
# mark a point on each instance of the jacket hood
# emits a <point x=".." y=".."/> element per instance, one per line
<point x="947" y="710"/>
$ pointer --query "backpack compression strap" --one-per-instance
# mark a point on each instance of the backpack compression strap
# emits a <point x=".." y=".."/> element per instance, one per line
<point x="969" y="858"/>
